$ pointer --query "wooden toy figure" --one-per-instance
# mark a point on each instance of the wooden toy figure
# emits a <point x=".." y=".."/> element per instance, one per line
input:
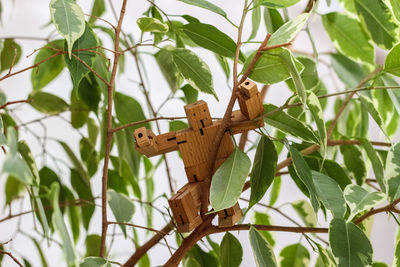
<point x="195" y="144"/>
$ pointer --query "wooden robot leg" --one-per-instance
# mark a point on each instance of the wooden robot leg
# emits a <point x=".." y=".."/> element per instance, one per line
<point x="228" y="217"/>
<point x="185" y="206"/>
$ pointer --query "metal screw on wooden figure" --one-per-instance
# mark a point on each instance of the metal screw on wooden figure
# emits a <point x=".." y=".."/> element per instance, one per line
<point x="195" y="144"/>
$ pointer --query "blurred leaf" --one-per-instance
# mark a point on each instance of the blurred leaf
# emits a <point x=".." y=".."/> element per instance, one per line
<point x="79" y="111"/>
<point x="89" y="92"/>
<point x="76" y="163"/>
<point x="262" y="250"/>
<point x="129" y="110"/>
<point x="305" y="212"/>
<point x="227" y="182"/>
<point x="47" y="103"/>
<point x="349" y="244"/>
<point x="89" y="156"/>
<point x="69" y="20"/>
<point x="263" y="172"/>
<point x="190" y="262"/>
<point x="348" y="5"/>
<point x="151" y="25"/>
<point x="209" y="37"/>
<point x="165" y="61"/>
<point x="379" y="21"/>
<point x="379" y="264"/>
<point x="367" y="102"/>
<point x="49" y="70"/>
<point x="392" y="62"/>
<point x="330" y="194"/>
<point x="121" y="206"/>
<point x="84" y="192"/>
<point x="60" y="226"/>
<point x="377" y="165"/>
<point x="396" y="262"/>
<point x="190" y="93"/>
<point x="294" y="255"/>
<point x="264" y="219"/>
<point x="231" y="251"/>
<point x="13" y="189"/>
<point x="94" y="262"/>
<point x="194" y="70"/>
<point x="275" y="190"/>
<point x="359" y="199"/>
<point x="349" y="37"/>
<point x="354" y="162"/>
<point x="272" y="19"/>
<point x="288" y="31"/>
<point x="278" y="3"/>
<point x="395" y="8"/>
<point x="116" y="182"/>
<point x="177" y="125"/>
<point x="74" y="215"/>
<point x="348" y="71"/>
<point x="270" y="68"/>
<point x="288" y="124"/>
<point x="98" y="9"/>
<point x="255" y="19"/>
<point x="10" y="47"/>
<point x="203" y="258"/>
<point x="223" y="62"/>
<point x="318" y="116"/>
<point x="392" y="173"/>
<point x="205" y="4"/>
<point x="309" y="76"/>
<point x="93" y="131"/>
<point x="304" y="173"/>
<point x="76" y="68"/>
<point x="92" y="245"/>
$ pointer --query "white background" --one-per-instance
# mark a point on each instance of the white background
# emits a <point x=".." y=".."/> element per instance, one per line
<point x="26" y="18"/>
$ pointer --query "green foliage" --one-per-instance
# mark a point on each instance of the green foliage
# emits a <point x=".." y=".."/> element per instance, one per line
<point x="10" y="49"/>
<point x="151" y="25"/>
<point x="262" y="251"/>
<point x="47" y="103"/>
<point x="231" y="251"/>
<point x="294" y="255"/>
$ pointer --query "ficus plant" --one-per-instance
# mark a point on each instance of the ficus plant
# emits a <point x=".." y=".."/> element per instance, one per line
<point x="333" y="137"/>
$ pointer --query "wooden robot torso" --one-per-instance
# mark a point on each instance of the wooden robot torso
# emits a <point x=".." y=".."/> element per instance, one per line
<point x="195" y="145"/>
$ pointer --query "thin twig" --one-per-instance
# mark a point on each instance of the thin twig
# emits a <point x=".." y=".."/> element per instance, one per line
<point x="12" y="257"/>
<point x="15" y="102"/>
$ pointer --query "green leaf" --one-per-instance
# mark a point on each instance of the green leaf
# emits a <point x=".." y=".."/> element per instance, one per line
<point x="305" y="212"/>
<point x="316" y="111"/>
<point x="209" y="37"/>
<point x="288" y="124"/>
<point x="177" y="125"/>
<point x="348" y="71"/>
<point x="349" y="37"/>
<point x="279" y="3"/>
<point x="294" y="255"/>
<point x="263" y="172"/>
<point x="165" y="61"/>
<point x="121" y="206"/>
<point x="304" y="173"/>
<point x="74" y="215"/>
<point x="190" y="93"/>
<point x="358" y="199"/>
<point x="49" y="70"/>
<point x="349" y="244"/>
<point x="392" y="62"/>
<point x="377" y="164"/>
<point x="255" y="19"/>
<point x="10" y="47"/>
<point x="354" y="162"/>
<point x="231" y="252"/>
<point x="40" y="251"/>
<point x="330" y="194"/>
<point x="203" y="258"/>
<point x="206" y="5"/>
<point x="309" y="76"/>
<point x="89" y="92"/>
<point x="13" y="189"/>
<point x="76" y="68"/>
<point x="396" y="262"/>
<point x="79" y="111"/>
<point x="151" y="25"/>
<point x="348" y="5"/>
<point x="379" y="264"/>
<point x="47" y="103"/>
<point x="262" y="250"/>
<point x="367" y="102"/>
<point x="98" y="9"/>
<point x="227" y="182"/>
<point x="84" y="192"/>
<point x="94" y="262"/>
<point x="395" y="7"/>
<point x="270" y="67"/>
<point x="69" y="20"/>
<point x="76" y="163"/>
<point x="191" y="262"/>
<point x="288" y="31"/>
<point x="264" y="219"/>
<point x="392" y="172"/>
<point x="15" y="165"/>
<point x="276" y="188"/>
<point x="272" y="19"/>
<point x="92" y="245"/>
<point x="27" y="155"/>
<point x="223" y="62"/>
<point x="379" y="21"/>
<point x="194" y="70"/>
<point x="60" y="226"/>
<point x="89" y="156"/>
<point x="129" y="110"/>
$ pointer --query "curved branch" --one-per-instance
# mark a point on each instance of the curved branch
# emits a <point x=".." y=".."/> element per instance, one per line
<point x="12" y="257"/>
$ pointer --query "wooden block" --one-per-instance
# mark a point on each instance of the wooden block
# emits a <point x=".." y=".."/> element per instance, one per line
<point x="185" y="206"/>
<point x="226" y="147"/>
<point x="166" y="142"/>
<point x="241" y="124"/>
<point x="251" y="107"/>
<point x="248" y="88"/>
<point x="192" y="146"/>
<point x="229" y="217"/>
<point x="198" y="115"/>
<point x="145" y="142"/>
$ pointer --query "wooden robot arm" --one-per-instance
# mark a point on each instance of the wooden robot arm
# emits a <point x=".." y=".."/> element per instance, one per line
<point x="251" y="108"/>
<point x="149" y="144"/>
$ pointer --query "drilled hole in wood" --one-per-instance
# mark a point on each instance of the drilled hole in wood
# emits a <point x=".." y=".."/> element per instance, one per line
<point x="247" y="83"/>
<point x="140" y="135"/>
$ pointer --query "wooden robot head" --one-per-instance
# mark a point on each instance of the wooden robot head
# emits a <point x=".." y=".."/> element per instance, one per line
<point x="198" y="115"/>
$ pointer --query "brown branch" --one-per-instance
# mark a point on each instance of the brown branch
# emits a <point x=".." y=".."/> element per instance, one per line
<point x="12" y="257"/>
<point x="15" y="102"/>
<point x="139" y="226"/>
<point x="91" y="69"/>
<point x="275" y="46"/>
<point x="110" y="90"/>
<point x="390" y="207"/>
<point x="271" y="228"/>
<point x="141" y="251"/>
